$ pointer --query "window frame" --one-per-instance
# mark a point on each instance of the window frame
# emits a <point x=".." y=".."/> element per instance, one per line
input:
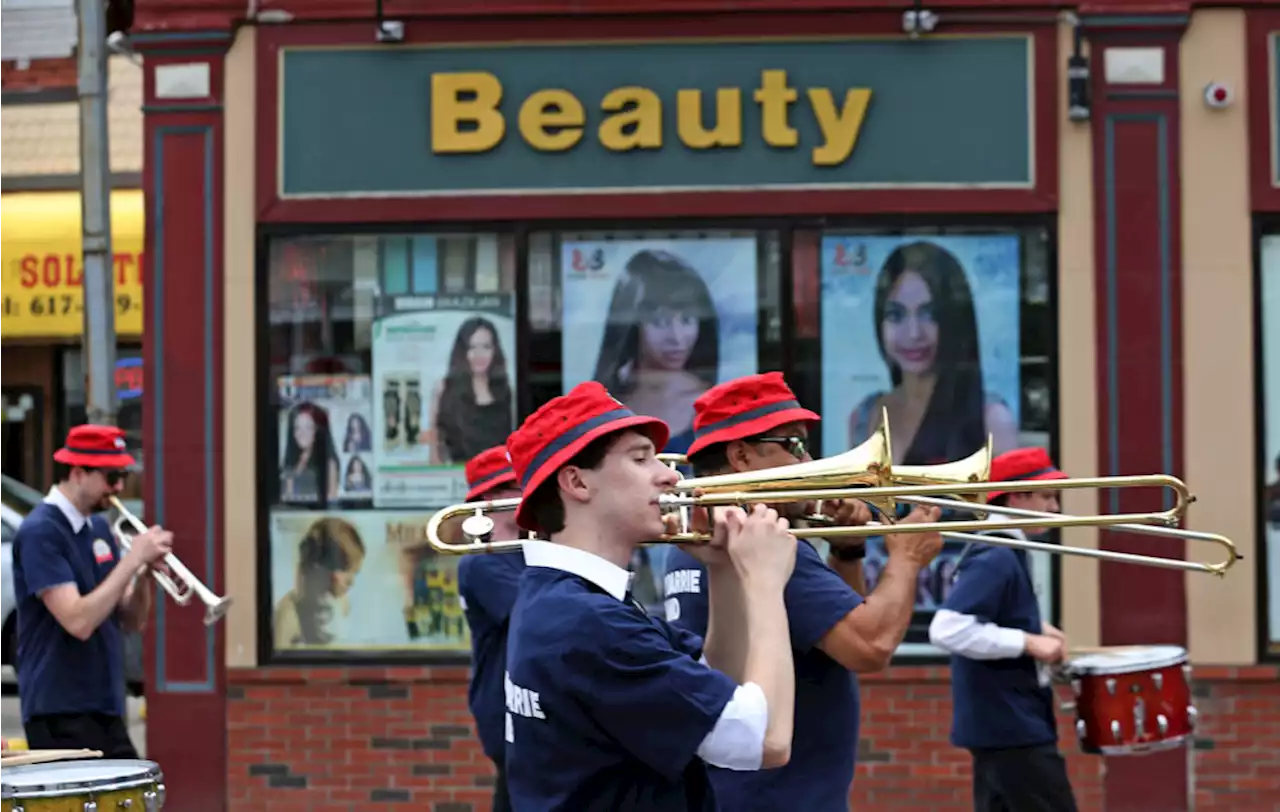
<point x="1268" y="639"/>
<point x="521" y="231"/>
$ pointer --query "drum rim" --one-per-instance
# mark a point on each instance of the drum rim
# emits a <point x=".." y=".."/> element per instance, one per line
<point x="151" y="774"/>
<point x="1132" y="667"/>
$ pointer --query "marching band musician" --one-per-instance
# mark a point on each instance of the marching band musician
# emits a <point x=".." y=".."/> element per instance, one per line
<point x="487" y="587"/>
<point x="75" y="593"/>
<point x="753" y="423"/>
<point x="1002" y="699"/>
<point x="609" y="708"/>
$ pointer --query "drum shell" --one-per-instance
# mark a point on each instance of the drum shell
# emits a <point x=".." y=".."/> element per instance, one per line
<point x="1132" y="711"/>
<point x="66" y="786"/>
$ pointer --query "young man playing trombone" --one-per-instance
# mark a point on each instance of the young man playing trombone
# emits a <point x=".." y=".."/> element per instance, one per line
<point x="487" y="586"/>
<point x="608" y="708"/>
<point x="75" y="593"/>
<point x="755" y="423"/>
<point x="1001" y="650"/>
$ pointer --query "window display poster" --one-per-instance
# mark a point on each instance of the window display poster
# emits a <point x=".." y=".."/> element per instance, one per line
<point x="1270" y="333"/>
<point x="444" y="390"/>
<point x="326" y="445"/>
<point x="928" y="329"/>
<point x="362" y="580"/>
<point x="636" y="311"/>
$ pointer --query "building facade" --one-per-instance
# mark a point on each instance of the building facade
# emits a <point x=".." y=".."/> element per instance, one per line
<point x="374" y="245"/>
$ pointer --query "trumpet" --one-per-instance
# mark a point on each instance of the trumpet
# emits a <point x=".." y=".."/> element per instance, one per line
<point x="186" y="585"/>
<point x="867" y="473"/>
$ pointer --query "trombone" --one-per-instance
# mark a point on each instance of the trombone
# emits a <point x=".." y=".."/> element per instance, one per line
<point x="186" y="585"/>
<point x="867" y="473"/>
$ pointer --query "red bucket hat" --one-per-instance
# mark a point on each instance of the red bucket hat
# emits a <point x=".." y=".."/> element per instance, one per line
<point x="1022" y="465"/>
<point x="553" y="434"/>
<point x="92" y="446"/>
<point x="488" y="470"/>
<point x="744" y="407"/>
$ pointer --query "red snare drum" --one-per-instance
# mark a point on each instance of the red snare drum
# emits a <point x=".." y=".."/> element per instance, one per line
<point x="1132" y="700"/>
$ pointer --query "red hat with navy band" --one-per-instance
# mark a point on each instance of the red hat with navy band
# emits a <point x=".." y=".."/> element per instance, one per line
<point x="488" y="470"/>
<point x="744" y="407"/>
<point x="1022" y="465"/>
<point x="555" y="433"/>
<point x="91" y="446"/>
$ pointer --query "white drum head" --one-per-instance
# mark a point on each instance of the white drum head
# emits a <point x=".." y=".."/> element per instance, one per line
<point x="1127" y="659"/>
<point x="73" y="777"/>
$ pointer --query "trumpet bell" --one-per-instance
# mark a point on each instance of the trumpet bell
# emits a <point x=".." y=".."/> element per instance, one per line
<point x="974" y="468"/>
<point x="868" y="464"/>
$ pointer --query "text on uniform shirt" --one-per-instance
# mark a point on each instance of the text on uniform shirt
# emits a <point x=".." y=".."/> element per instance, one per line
<point x="521" y="702"/>
<point x="679" y="582"/>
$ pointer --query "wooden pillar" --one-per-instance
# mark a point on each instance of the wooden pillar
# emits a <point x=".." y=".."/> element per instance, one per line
<point x="185" y="663"/>
<point x="1137" y="204"/>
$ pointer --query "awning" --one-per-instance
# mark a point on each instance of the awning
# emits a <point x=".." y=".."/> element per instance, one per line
<point x="43" y="266"/>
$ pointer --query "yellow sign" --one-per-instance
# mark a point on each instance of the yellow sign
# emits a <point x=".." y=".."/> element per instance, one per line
<point x="44" y="267"/>
<point x="555" y="120"/>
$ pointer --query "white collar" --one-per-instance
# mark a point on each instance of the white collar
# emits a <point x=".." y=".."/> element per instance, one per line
<point x="59" y="499"/>
<point x="1015" y="532"/>
<point x="604" y="574"/>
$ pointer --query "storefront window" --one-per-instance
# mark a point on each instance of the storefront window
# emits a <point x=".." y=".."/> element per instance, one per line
<point x="129" y="404"/>
<point x="658" y="317"/>
<point x="947" y="331"/>
<point x="1269" y="503"/>
<point x="392" y="362"/>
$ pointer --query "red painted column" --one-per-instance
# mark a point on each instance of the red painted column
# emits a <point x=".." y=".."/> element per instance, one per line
<point x="185" y="663"/>
<point x="1137" y="205"/>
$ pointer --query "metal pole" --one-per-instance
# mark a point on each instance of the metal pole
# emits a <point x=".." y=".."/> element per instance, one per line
<point x="99" y="334"/>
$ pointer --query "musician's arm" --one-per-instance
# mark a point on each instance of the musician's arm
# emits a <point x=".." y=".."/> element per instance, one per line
<point x="850" y="572"/>
<point x="135" y="604"/>
<point x="725" y="645"/>
<point x="81" y="615"/>
<point x="958" y="626"/>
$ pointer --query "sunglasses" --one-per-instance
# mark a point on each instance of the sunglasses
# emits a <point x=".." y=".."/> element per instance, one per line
<point x="797" y="447"/>
<point x="113" y="476"/>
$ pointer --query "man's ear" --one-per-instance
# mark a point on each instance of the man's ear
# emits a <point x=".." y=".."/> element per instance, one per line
<point x="738" y="453"/>
<point x="573" y="484"/>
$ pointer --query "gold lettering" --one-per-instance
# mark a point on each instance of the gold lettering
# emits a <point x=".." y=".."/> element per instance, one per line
<point x="449" y="110"/>
<point x="839" y="129"/>
<point x="551" y="120"/>
<point x="727" y="131"/>
<point x="773" y="97"/>
<point x="636" y="122"/>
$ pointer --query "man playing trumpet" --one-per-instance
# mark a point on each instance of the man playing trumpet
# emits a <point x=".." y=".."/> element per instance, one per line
<point x="75" y="594"/>
<point x="755" y="423"/>
<point x="609" y="708"/>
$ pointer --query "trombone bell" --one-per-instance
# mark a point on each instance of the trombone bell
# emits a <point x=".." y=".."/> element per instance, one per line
<point x="974" y="468"/>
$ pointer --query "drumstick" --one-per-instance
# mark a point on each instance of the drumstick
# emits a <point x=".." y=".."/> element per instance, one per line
<point x="42" y="756"/>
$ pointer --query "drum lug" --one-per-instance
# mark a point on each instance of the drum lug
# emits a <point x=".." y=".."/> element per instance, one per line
<point x="1082" y="729"/>
<point x="1158" y="679"/>
<point x="1111" y="686"/>
<point x="1115" y="730"/>
<point x="126" y="803"/>
<point x="1192" y="715"/>
<point x="1162" y="723"/>
<point x="153" y="800"/>
<point x="90" y="806"/>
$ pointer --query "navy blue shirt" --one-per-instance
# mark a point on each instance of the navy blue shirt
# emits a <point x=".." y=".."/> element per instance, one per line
<point x="825" y="745"/>
<point x="606" y="706"/>
<point x="56" y="672"/>
<point x="487" y="585"/>
<point x="998" y="703"/>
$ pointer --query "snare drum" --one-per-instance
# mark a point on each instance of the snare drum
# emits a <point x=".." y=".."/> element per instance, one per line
<point x="83" y="786"/>
<point x="1132" y="700"/>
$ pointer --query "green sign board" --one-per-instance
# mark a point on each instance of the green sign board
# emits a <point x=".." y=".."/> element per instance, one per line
<point x="826" y="113"/>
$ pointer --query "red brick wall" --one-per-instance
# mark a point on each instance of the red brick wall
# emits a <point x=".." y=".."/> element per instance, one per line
<point x="40" y="74"/>
<point x="328" y="739"/>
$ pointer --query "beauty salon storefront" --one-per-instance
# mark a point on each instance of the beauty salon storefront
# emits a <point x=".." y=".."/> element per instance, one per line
<point x="440" y="234"/>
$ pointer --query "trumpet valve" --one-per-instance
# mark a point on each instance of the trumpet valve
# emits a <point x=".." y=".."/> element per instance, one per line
<point x="477" y="528"/>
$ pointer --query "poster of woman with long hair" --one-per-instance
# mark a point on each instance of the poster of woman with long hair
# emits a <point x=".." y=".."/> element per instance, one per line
<point x="324" y="440"/>
<point x="659" y="322"/>
<point x="443" y="381"/>
<point x="926" y="329"/>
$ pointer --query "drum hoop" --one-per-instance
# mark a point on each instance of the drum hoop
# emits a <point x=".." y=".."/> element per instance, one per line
<point x="62" y="789"/>
<point x="1132" y="667"/>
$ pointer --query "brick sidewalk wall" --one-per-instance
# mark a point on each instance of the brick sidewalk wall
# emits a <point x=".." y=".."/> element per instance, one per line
<point x="327" y="739"/>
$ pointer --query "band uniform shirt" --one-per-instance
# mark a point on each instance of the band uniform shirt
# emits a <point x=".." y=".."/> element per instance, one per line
<point x="825" y="744"/>
<point x="608" y="708"/>
<point x="57" y="673"/>
<point x="487" y="586"/>
<point x="1001" y="696"/>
